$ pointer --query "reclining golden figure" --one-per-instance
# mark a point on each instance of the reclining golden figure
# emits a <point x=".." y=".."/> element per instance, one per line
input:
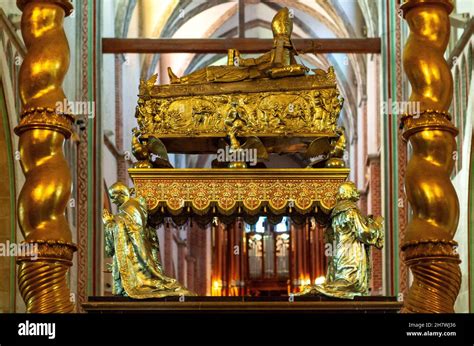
<point x="277" y="63"/>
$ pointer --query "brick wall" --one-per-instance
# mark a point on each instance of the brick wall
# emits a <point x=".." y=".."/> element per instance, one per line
<point x="122" y="174"/>
<point x="375" y="187"/>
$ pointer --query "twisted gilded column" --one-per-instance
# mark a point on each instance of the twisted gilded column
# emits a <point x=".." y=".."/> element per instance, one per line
<point x="429" y="248"/>
<point x="42" y="130"/>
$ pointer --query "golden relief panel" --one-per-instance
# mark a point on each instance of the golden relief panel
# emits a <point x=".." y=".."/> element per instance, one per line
<point x="305" y="106"/>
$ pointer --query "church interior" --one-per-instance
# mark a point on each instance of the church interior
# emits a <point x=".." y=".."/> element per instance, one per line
<point x="122" y="122"/>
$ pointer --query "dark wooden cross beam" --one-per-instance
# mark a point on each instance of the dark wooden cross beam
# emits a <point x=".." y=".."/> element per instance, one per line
<point x="241" y="15"/>
<point x="246" y="45"/>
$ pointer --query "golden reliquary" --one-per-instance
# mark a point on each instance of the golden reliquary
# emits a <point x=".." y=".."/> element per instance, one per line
<point x="271" y="100"/>
<point x="267" y="105"/>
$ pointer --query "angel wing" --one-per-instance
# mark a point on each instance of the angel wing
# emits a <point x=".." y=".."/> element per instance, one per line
<point x="254" y="142"/>
<point x="159" y="154"/>
<point x="156" y="146"/>
<point x="320" y="146"/>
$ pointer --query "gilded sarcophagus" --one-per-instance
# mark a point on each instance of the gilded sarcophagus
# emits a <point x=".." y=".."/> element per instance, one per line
<point x="286" y="115"/>
<point x="271" y="103"/>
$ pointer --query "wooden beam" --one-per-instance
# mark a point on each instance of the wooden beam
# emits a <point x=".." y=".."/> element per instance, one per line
<point x="241" y="14"/>
<point x="247" y="45"/>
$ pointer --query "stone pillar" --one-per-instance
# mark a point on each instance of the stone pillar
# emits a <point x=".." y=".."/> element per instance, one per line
<point x="182" y="269"/>
<point x="234" y="259"/>
<point x="42" y="130"/>
<point x="428" y="247"/>
<point x="219" y="280"/>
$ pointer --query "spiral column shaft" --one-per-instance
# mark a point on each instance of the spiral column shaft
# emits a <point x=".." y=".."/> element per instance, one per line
<point x="428" y="247"/>
<point x="43" y="129"/>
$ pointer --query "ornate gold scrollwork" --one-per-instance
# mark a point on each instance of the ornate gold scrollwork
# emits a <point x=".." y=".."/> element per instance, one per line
<point x="223" y="191"/>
